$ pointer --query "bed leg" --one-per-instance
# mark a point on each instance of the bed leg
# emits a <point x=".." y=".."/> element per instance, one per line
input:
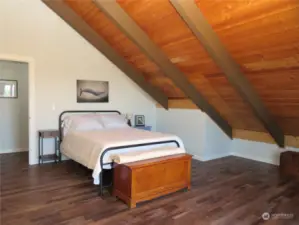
<point x="101" y="183"/>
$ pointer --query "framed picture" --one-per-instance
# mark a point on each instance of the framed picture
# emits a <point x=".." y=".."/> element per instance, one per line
<point x="89" y="91"/>
<point x="139" y="121"/>
<point x="8" y="88"/>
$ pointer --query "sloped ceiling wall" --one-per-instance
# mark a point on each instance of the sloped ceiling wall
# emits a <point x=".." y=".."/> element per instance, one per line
<point x="262" y="36"/>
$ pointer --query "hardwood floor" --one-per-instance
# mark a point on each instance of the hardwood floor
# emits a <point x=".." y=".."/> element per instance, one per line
<point x="228" y="191"/>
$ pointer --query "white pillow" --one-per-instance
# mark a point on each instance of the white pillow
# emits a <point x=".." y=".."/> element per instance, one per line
<point x="114" y="121"/>
<point x="86" y="124"/>
<point x="83" y="122"/>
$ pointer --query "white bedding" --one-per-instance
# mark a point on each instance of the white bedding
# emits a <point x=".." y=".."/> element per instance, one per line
<point x="86" y="147"/>
<point x="134" y="156"/>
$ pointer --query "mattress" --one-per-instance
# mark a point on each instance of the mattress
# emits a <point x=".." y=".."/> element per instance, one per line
<point x="86" y="147"/>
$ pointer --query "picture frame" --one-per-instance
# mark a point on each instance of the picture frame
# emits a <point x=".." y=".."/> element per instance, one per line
<point x="8" y="88"/>
<point x="92" y="91"/>
<point x="139" y="120"/>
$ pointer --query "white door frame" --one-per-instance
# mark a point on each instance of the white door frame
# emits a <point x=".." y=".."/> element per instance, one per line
<point x="33" y="156"/>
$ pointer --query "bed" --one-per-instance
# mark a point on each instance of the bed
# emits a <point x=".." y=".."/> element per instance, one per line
<point x="99" y="138"/>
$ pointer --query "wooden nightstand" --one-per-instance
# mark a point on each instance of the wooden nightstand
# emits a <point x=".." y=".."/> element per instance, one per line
<point x="47" y="134"/>
<point x="149" y="128"/>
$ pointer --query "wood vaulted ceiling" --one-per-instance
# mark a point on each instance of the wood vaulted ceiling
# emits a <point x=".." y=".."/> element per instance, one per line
<point x="262" y="36"/>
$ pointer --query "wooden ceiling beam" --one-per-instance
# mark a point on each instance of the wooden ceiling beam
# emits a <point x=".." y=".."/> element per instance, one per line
<point x="128" y="26"/>
<point x="79" y="25"/>
<point x="197" y="23"/>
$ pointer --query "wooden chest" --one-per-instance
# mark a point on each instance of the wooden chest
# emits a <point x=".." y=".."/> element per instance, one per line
<point x="289" y="164"/>
<point x="148" y="179"/>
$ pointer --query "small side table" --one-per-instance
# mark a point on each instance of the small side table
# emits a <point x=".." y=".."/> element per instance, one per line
<point x="149" y="128"/>
<point x="47" y="134"/>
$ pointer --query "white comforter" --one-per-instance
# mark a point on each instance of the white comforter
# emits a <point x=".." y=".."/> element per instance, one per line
<point x="86" y="147"/>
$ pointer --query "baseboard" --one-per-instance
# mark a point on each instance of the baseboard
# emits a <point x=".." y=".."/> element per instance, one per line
<point x="216" y="156"/>
<point x="13" y="150"/>
<point x="251" y="157"/>
<point x="210" y="157"/>
<point x="196" y="157"/>
<point x="64" y="158"/>
<point x="259" y="159"/>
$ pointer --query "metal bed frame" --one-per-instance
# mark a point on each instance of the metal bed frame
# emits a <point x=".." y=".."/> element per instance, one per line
<point x="102" y="186"/>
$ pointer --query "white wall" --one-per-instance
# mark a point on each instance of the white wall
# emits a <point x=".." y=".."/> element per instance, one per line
<point x="31" y="29"/>
<point x="217" y="143"/>
<point x="187" y="124"/>
<point x="14" y="111"/>
<point x="263" y="152"/>
<point x="201" y="136"/>
<point x="206" y="141"/>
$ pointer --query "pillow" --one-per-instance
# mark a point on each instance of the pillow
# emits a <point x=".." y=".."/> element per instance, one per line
<point x="83" y="122"/>
<point x="86" y="124"/>
<point x="114" y="121"/>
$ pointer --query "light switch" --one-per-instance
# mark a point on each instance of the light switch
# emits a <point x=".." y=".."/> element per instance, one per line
<point x="53" y="107"/>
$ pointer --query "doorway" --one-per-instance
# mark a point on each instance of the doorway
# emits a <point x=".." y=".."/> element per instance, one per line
<point x="14" y="106"/>
<point x="33" y="152"/>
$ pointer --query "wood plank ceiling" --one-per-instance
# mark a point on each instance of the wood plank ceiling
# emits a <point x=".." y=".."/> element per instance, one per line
<point x="262" y="36"/>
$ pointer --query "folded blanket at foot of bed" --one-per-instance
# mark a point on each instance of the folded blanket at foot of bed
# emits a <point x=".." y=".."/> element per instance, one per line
<point x="134" y="156"/>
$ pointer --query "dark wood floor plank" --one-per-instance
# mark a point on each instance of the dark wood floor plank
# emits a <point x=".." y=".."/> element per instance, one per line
<point x="229" y="191"/>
